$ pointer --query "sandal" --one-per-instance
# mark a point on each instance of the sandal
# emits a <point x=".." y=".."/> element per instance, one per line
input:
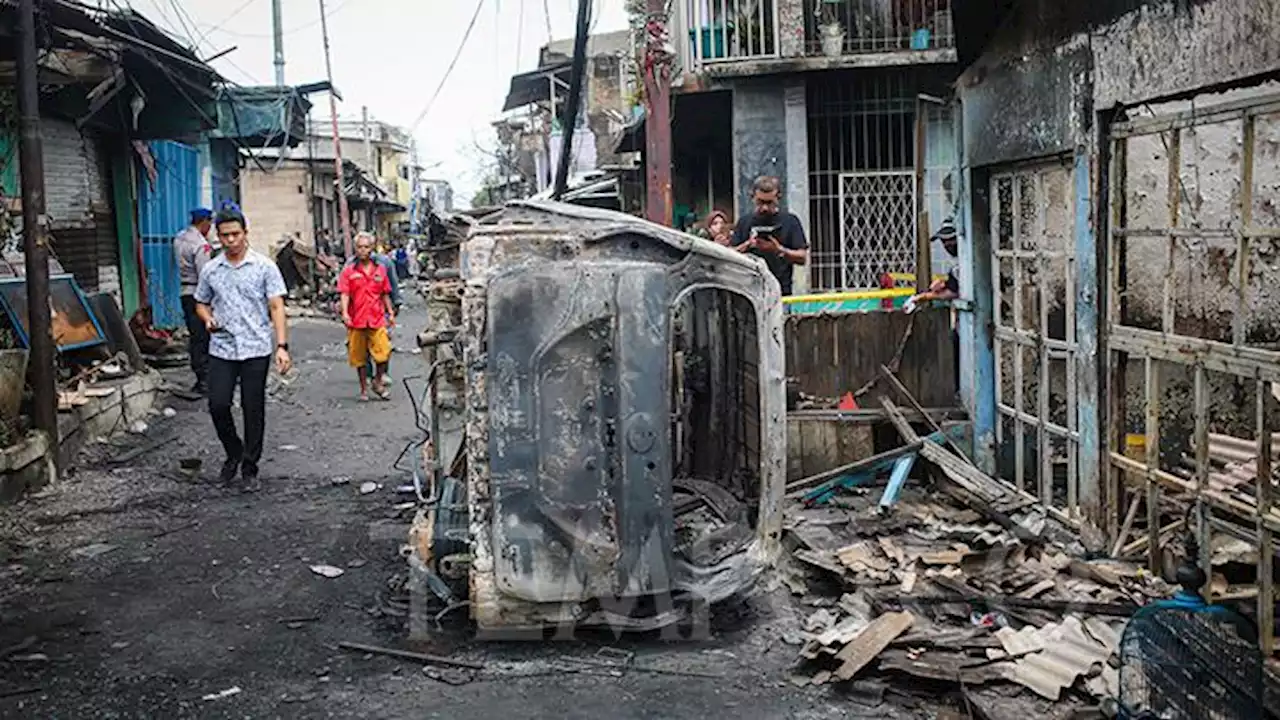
<point x="382" y="393"/>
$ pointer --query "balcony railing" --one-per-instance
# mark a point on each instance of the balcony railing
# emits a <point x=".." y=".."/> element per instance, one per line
<point x="850" y="27"/>
<point x="715" y="31"/>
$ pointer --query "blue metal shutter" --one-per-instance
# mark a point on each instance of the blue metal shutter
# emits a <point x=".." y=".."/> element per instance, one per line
<point x="163" y="211"/>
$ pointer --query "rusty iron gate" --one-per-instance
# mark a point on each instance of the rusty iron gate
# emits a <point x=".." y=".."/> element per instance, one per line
<point x="1035" y="343"/>
<point x="1192" y="343"/>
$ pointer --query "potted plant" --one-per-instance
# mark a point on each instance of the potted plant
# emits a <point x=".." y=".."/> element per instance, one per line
<point x="830" y="31"/>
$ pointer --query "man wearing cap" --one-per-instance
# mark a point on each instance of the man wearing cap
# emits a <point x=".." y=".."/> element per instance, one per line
<point x="192" y="249"/>
<point x="948" y="289"/>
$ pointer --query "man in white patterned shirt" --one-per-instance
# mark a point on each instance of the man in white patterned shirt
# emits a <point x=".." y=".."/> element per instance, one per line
<point x="240" y="298"/>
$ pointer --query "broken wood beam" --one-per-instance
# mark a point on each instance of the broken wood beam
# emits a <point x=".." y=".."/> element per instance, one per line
<point x="873" y="416"/>
<point x="899" y="421"/>
<point x="1129" y="518"/>
<point x="409" y="655"/>
<point x="915" y="405"/>
<point x="1115" y="609"/>
<point x="871" y="642"/>
<point x="1140" y="544"/>
<point x="832" y="477"/>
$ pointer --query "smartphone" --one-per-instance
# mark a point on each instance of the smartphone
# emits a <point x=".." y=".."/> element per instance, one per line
<point x="763" y="231"/>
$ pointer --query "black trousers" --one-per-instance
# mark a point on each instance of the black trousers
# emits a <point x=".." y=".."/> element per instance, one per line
<point x="251" y="375"/>
<point x="197" y="342"/>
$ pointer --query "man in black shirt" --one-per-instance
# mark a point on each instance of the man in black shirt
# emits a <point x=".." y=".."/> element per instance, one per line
<point x="772" y="233"/>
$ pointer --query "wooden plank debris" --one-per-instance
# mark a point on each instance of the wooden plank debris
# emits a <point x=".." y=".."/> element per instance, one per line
<point x="860" y="651"/>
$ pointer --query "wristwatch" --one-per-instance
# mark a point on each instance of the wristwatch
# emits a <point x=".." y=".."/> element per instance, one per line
<point x="283" y="346"/>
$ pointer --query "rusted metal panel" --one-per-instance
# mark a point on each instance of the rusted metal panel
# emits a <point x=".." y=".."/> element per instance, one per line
<point x="830" y="355"/>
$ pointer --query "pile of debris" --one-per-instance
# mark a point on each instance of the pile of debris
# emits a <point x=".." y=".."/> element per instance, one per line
<point x="964" y="583"/>
<point x="932" y="591"/>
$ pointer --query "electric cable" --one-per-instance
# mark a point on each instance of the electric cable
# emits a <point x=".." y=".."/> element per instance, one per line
<point x="449" y="70"/>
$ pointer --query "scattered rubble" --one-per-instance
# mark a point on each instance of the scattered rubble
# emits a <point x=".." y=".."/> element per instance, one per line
<point x="229" y="692"/>
<point x="328" y="571"/>
<point x="962" y="582"/>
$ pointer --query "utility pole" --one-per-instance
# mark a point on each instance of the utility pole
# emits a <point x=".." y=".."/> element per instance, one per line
<point x="277" y="34"/>
<point x="577" y="78"/>
<point x="35" y="230"/>
<point x="344" y="213"/>
<point x="657" y="124"/>
<point x="368" y="138"/>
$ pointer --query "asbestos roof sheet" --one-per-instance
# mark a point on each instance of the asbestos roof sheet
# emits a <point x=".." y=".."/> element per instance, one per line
<point x="1071" y="649"/>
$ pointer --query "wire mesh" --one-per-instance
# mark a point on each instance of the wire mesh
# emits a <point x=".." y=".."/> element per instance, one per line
<point x="1180" y="664"/>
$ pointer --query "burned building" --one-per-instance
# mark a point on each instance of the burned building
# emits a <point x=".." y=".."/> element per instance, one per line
<point x="1117" y="166"/>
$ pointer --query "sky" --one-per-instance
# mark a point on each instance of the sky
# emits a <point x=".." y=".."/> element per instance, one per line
<point x="390" y="55"/>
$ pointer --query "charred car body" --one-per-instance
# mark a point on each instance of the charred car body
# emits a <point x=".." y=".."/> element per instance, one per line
<point x="607" y="415"/>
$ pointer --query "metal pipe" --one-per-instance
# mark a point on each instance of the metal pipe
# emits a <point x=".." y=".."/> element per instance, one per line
<point x="35" y="230"/>
<point x="657" y="92"/>
<point x="277" y="36"/>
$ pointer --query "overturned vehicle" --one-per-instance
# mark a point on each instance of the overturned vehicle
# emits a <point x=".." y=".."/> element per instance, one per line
<point x="606" y="416"/>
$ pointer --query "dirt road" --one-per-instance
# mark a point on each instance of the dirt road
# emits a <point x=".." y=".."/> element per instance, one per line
<point x="131" y="591"/>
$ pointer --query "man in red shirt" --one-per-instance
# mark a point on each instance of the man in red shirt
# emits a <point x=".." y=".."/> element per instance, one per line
<point x="367" y="311"/>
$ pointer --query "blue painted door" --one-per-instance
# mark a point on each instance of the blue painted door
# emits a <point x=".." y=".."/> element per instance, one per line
<point x="163" y="211"/>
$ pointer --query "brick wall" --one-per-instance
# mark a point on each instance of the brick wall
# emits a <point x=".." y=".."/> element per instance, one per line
<point x="275" y="205"/>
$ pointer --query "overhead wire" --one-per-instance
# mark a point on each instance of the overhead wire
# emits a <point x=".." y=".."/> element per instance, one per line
<point x="289" y="31"/>
<point x="449" y="70"/>
<point x="234" y="13"/>
<point x="204" y="36"/>
<point x="176" y="82"/>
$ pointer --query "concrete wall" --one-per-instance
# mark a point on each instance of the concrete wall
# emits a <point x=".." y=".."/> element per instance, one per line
<point x="759" y="135"/>
<point x="1036" y="92"/>
<point x="1019" y="106"/>
<point x="276" y="205"/>
<point x="1035" y="89"/>
<point x="1209" y="177"/>
<point x="1170" y="48"/>
<point x="797" y="184"/>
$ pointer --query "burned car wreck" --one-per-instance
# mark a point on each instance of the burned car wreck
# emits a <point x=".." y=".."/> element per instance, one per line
<point x="607" y="423"/>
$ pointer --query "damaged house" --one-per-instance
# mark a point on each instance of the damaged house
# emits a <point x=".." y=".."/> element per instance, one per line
<point x="136" y="130"/>
<point x="1110" y="170"/>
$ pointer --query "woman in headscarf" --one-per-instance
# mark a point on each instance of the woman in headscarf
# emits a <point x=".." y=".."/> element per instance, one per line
<point x="717" y="227"/>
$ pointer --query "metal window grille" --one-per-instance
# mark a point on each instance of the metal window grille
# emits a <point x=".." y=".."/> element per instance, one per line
<point x="877" y="216"/>
<point x="726" y="30"/>
<point x="860" y="123"/>
<point x="1033" y="261"/>
<point x="876" y="26"/>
